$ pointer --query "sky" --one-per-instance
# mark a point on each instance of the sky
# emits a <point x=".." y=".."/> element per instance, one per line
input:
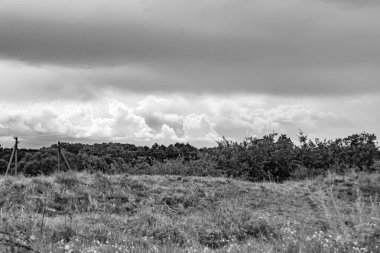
<point x="167" y="71"/>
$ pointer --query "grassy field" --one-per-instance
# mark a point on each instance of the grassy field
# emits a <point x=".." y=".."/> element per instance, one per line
<point x="81" y="212"/>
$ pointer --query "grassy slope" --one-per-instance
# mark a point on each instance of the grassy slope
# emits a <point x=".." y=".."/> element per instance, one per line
<point x="98" y="213"/>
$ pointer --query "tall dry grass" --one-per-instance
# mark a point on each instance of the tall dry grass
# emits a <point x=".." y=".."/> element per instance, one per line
<point x="80" y="212"/>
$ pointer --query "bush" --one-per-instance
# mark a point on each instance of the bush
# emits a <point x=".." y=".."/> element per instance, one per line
<point x="272" y="157"/>
<point x="3" y="166"/>
<point x="45" y="166"/>
<point x="279" y="159"/>
<point x="358" y="150"/>
<point x="258" y="159"/>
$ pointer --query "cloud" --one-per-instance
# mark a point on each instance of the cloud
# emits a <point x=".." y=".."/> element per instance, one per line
<point x="166" y="71"/>
<point x="295" y="48"/>
<point x="23" y="82"/>
<point x="168" y="135"/>
<point x="197" y="127"/>
<point x="157" y="119"/>
<point x="124" y="123"/>
<point x="354" y="3"/>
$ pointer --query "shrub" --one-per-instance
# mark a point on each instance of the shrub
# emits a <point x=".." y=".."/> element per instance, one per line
<point x="357" y="150"/>
<point x="279" y="159"/>
<point x="36" y="167"/>
<point x="273" y="157"/>
<point x="258" y="159"/>
<point x="3" y="166"/>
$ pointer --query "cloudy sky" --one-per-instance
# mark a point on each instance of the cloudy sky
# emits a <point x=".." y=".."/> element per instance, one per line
<point x="166" y="71"/>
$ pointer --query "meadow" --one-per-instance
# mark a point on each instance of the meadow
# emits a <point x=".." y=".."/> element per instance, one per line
<point x="95" y="212"/>
<point x="259" y="195"/>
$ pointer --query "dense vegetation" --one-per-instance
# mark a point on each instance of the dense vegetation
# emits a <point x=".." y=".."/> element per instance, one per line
<point x="125" y="198"/>
<point x="273" y="157"/>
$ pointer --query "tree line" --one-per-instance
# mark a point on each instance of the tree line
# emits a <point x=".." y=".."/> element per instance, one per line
<point x="273" y="157"/>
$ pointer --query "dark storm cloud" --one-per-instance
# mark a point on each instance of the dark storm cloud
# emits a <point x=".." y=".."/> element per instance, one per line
<point x="301" y="47"/>
<point x="52" y="42"/>
<point x="94" y="44"/>
<point x="221" y="79"/>
<point x="357" y="3"/>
